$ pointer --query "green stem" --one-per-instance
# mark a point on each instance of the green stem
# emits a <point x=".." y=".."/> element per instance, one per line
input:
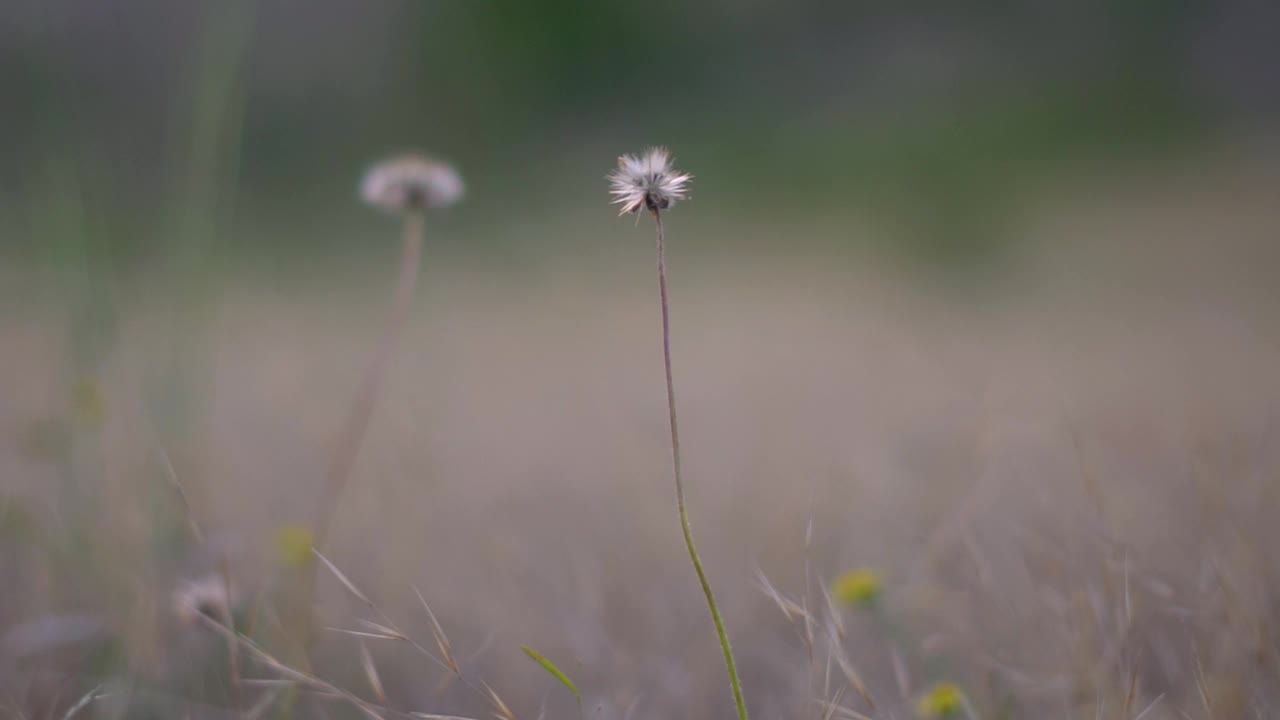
<point x="734" y="682"/>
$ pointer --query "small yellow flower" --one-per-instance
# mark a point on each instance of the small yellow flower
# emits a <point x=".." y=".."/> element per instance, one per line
<point x="293" y="545"/>
<point x="943" y="700"/>
<point x="860" y="588"/>
<point x="88" y="402"/>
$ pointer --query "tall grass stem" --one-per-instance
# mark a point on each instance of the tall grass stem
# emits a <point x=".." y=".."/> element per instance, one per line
<point x="730" y="665"/>
<point x="351" y="436"/>
<point x="347" y="446"/>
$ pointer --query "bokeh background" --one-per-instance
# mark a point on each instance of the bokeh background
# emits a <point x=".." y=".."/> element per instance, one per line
<point x="979" y="298"/>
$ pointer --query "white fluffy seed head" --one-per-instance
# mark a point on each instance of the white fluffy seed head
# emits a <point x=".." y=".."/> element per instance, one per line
<point x="411" y="181"/>
<point x="208" y="595"/>
<point x="647" y="181"/>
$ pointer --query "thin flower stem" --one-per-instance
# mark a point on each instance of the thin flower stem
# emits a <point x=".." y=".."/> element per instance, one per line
<point x="734" y="682"/>
<point x="347" y="445"/>
<point x="353" y="430"/>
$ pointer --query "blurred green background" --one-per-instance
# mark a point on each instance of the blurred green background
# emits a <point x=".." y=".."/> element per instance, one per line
<point x="933" y="119"/>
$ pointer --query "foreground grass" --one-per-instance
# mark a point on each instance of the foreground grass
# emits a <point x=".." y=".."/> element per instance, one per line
<point x="1066" y="506"/>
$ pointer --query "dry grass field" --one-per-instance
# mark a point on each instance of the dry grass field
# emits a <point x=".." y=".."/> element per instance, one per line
<point x="1067" y="486"/>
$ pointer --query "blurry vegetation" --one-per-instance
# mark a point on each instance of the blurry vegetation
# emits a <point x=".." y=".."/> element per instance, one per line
<point x="932" y="121"/>
<point x="176" y="140"/>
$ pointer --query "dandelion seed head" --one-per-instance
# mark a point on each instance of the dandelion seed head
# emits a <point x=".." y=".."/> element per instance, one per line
<point x="208" y="595"/>
<point x="411" y="181"/>
<point x="647" y="181"/>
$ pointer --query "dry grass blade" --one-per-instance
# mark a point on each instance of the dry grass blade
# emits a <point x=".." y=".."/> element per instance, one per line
<point x="826" y="672"/>
<point x="852" y="677"/>
<point x="789" y="608"/>
<point x="1128" y="596"/>
<point x="501" y="710"/>
<point x="804" y="597"/>
<point x="1132" y="693"/>
<point x="316" y="683"/>
<point x="829" y="709"/>
<point x="448" y="678"/>
<point x="82" y="703"/>
<point x="442" y="641"/>
<point x="171" y="474"/>
<point x="808" y="631"/>
<point x="224" y="611"/>
<point x="1149" y="707"/>
<point x="371" y="674"/>
<point x="841" y="711"/>
<point x="851" y="674"/>
<point x="297" y="676"/>
<point x="1203" y="687"/>
<point x="386" y="630"/>
<point x="350" y="586"/>
<point x="900" y="673"/>
<point x="833" y="612"/>
<point x="365" y="634"/>
<point x="429" y="716"/>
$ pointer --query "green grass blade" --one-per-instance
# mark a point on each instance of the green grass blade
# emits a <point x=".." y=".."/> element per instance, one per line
<point x="555" y="672"/>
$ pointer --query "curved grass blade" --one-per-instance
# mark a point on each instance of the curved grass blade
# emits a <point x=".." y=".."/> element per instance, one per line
<point x="556" y="673"/>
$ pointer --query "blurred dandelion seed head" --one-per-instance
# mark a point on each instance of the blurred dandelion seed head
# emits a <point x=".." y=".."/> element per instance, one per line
<point x="943" y="700"/>
<point x="208" y="595"/>
<point x="411" y="182"/>
<point x="860" y="588"/>
<point x="647" y="181"/>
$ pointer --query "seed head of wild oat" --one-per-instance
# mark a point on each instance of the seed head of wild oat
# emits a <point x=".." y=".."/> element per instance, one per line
<point x="647" y="181"/>
<point x="411" y="182"/>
